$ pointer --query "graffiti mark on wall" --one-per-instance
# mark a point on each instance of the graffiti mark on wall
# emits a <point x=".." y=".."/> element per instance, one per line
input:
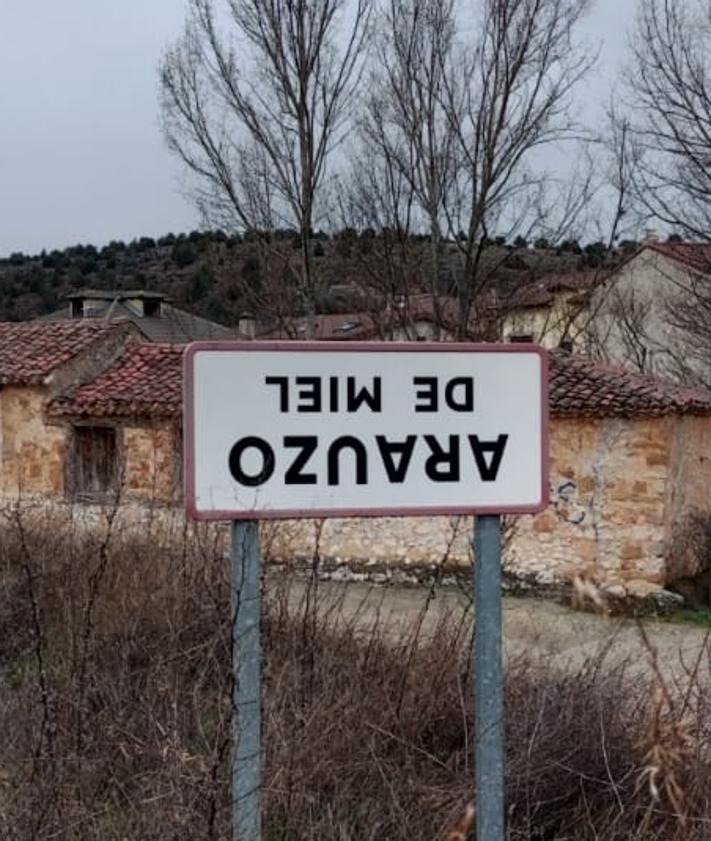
<point x="566" y="504"/>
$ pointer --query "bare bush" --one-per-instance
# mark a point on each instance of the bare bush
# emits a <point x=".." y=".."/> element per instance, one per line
<point x="115" y="667"/>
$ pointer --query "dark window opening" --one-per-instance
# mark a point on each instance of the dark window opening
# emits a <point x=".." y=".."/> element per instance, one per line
<point x="566" y="345"/>
<point x="95" y="462"/>
<point x="78" y="309"/>
<point x="521" y="338"/>
<point x="151" y="309"/>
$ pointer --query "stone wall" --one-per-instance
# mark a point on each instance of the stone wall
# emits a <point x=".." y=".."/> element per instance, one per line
<point x="152" y="462"/>
<point x="608" y="494"/>
<point x="378" y="541"/>
<point x="619" y="490"/>
<point x="32" y="453"/>
<point x="688" y="492"/>
<point x="622" y="491"/>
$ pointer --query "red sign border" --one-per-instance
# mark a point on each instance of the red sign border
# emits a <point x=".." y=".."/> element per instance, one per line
<point x="361" y="347"/>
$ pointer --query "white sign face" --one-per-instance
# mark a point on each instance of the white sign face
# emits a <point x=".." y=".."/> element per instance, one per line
<point x="297" y="429"/>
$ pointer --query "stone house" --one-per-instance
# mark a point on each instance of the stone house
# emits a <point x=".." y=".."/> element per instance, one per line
<point x="90" y="413"/>
<point x="38" y="363"/>
<point x="651" y="312"/>
<point x="57" y="439"/>
<point x="52" y="447"/>
<point x="126" y="425"/>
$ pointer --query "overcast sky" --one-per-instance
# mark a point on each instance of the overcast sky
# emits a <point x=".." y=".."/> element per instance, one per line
<point x="82" y="159"/>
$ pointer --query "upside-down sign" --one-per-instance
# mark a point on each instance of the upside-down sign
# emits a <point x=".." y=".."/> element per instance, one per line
<point x="292" y="429"/>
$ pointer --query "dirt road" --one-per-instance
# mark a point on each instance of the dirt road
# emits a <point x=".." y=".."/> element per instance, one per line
<point x="547" y="630"/>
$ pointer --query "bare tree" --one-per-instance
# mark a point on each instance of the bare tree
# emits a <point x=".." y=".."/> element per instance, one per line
<point x="665" y="167"/>
<point x="255" y="113"/>
<point x="378" y="201"/>
<point x="461" y="120"/>
<point x="689" y="316"/>
<point x="406" y="127"/>
<point x="669" y="90"/>
<point x="513" y="100"/>
<point x="599" y="308"/>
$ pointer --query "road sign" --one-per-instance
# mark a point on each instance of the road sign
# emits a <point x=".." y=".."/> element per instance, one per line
<point x="298" y="429"/>
<point x="329" y="429"/>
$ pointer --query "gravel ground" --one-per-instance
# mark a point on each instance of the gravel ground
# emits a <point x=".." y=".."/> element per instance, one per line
<point x="545" y="629"/>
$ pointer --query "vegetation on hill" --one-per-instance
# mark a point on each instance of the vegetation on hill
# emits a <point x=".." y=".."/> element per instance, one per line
<point x="221" y="276"/>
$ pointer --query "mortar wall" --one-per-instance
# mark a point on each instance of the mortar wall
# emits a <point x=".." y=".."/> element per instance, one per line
<point x="32" y="453"/>
<point x="151" y="462"/>
<point x="607" y="520"/>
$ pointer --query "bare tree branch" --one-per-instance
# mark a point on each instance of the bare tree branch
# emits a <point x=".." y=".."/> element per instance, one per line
<point x="255" y="115"/>
<point x="461" y="123"/>
<point x="669" y="91"/>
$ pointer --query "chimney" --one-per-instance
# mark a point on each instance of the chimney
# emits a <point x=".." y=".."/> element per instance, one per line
<point x="650" y="235"/>
<point x="247" y="326"/>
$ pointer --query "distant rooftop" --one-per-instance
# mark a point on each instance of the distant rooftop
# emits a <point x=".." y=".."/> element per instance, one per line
<point x="150" y="312"/>
<point x="542" y="291"/>
<point x="694" y="255"/>
<point x="116" y="295"/>
<point x="379" y="322"/>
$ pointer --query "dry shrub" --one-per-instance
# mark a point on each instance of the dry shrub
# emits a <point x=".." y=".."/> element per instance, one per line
<point x="115" y="675"/>
<point x="692" y="545"/>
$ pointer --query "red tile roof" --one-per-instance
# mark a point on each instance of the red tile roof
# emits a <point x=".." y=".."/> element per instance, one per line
<point x="541" y="292"/>
<point x="580" y="387"/>
<point x="416" y="309"/>
<point x="380" y="323"/>
<point x="147" y="381"/>
<point x="326" y="327"/>
<point x="30" y="352"/>
<point x="694" y="255"/>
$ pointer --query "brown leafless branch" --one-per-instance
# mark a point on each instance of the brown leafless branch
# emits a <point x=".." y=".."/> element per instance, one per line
<point x="255" y="112"/>
<point x="669" y="88"/>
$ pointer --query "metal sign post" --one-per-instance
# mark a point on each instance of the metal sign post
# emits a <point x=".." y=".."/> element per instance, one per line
<point x="246" y="593"/>
<point x="488" y="680"/>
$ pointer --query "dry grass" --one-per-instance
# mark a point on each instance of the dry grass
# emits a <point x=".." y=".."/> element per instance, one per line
<point x="114" y="702"/>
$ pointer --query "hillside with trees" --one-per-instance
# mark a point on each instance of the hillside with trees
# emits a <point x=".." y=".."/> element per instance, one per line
<point x="220" y="276"/>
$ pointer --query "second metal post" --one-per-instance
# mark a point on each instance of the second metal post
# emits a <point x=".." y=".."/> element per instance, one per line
<point x="488" y="680"/>
<point x="246" y="592"/>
